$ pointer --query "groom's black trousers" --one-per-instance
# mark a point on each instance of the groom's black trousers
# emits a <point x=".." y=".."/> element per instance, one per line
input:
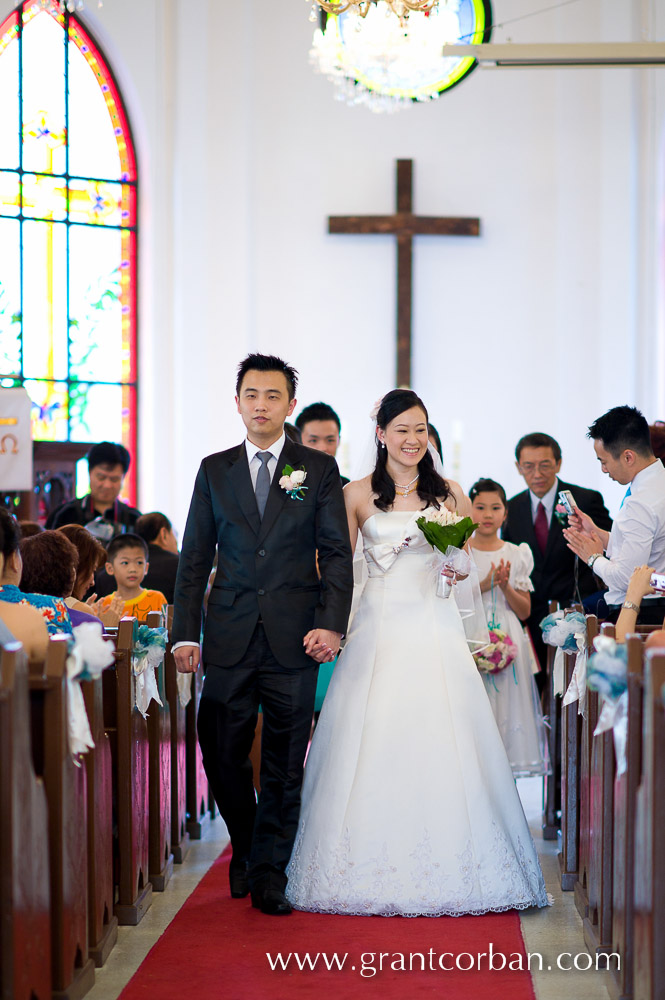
<point x="262" y="832"/>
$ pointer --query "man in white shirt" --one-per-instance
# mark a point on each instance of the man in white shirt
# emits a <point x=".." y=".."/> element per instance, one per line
<point x="622" y="444"/>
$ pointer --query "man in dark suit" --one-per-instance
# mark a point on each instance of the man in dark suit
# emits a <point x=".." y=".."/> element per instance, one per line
<point x="268" y="506"/>
<point x="157" y="531"/>
<point x="532" y="518"/>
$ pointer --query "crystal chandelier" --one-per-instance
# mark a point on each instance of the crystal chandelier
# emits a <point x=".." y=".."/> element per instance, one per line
<point x="401" y="8"/>
<point x="385" y="63"/>
<point x="63" y="5"/>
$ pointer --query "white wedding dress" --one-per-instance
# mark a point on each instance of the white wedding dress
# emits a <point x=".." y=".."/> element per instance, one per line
<point x="409" y="804"/>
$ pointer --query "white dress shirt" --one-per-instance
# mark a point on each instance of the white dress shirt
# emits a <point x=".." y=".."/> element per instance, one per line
<point x="638" y="534"/>
<point x="255" y="463"/>
<point x="547" y="501"/>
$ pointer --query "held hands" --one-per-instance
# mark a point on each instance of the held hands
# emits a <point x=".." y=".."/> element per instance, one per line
<point x="321" y="644"/>
<point x="187" y="659"/>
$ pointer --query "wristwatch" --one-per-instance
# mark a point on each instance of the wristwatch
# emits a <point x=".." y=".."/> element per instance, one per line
<point x="631" y="607"/>
<point x="591" y="560"/>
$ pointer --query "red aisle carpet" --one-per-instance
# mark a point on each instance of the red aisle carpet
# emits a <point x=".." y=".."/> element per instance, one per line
<point x="216" y="948"/>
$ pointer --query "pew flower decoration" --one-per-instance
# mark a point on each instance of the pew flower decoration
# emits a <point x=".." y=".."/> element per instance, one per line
<point x="560" y="630"/>
<point x="608" y="675"/>
<point x="89" y="654"/>
<point x="147" y="654"/>
<point x="292" y="481"/>
<point x="568" y="634"/>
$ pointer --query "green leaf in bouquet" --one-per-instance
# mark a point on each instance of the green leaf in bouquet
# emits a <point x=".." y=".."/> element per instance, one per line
<point x="287" y="470"/>
<point x="440" y="536"/>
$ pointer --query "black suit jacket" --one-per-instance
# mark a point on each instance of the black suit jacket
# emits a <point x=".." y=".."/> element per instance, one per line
<point x="162" y="571"/>
<point x="553" y="575"/>
<point x="266" y="568"/>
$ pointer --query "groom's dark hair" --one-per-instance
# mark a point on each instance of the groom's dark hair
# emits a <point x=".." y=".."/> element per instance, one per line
<point x="431" y="486"/>
<point x="267" y="363"/>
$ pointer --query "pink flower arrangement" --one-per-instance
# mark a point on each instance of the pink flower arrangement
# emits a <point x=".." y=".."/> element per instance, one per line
<point x="498" y="655"/>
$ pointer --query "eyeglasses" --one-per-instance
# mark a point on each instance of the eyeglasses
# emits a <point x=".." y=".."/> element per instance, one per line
<point x="529" y="467"/>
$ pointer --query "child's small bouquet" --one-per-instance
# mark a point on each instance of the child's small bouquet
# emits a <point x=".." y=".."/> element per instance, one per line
<point x="448" y="531"/>
<point x="498" y="655"/>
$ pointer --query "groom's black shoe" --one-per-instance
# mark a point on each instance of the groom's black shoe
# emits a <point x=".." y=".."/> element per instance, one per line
<point x="271" y="901"/>
<point x="238" y="880"/>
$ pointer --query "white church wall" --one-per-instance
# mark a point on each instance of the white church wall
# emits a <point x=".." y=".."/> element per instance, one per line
<point x="543" y="322"/>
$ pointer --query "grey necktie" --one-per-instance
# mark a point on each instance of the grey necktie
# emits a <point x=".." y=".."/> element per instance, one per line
<point x="263" y="480"/>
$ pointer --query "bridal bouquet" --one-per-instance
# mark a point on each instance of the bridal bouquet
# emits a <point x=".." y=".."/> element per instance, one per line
<point x="445" y="529"/>
<point x="448" y="532"/>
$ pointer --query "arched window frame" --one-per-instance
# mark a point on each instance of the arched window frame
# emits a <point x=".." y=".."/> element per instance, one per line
<point x="118" y="198"/>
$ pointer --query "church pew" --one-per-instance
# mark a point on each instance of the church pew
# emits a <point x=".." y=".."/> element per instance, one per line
<point x="625" y="794"/>
<point x="589" y="721"/>
<point x="102" y="922"/>
<point x="179" y="835"/>
<point x="25" y="897"/>
<point x="160" y="856"/>
<point x="552" y="781"/>
<point x="649" y="978"/>
<point x="129" y="743"/>
<point x="569" y="762"/>
<point x="597" y="925"/>
<point x="198" y="815"/>
<point x="72" y="971"/>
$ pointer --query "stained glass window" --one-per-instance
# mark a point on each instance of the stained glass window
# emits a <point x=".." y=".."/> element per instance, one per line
<point x="68" y="193"/>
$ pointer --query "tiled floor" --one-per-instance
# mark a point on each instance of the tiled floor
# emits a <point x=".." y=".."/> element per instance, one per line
<point x="549" y="932"/>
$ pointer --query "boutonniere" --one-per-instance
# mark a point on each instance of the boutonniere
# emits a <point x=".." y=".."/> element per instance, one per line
<point x="292" y="481"/>
<point x="561" y="515"/>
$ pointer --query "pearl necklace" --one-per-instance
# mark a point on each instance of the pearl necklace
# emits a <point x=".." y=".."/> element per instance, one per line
<point x="407" y="488"/>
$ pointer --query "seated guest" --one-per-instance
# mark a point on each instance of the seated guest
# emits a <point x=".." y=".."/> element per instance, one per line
<point x="128" y="563"/>
<point x="639" y="586"/>
<point x="29" y="528"/>
<point x="657" y="435"/>
<point x="320" y="428"/>
<point x="53" y="609"/>
<point x="531" y="518"/>
<point x="100" y="510"/>
<point x="157" y="531"/>
<point x="622" y="444"/>
<point x="91" y="555"/>
<point x="50" y="562"/>
<point x="20" y="622"/>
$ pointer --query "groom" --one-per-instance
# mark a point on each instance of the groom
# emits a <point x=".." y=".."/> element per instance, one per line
<point x="271" y="619"/>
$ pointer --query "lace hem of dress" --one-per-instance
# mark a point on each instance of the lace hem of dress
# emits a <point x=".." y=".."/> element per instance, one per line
<point x="507" y="877"/>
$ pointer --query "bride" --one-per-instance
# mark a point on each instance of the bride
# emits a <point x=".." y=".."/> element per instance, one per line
<point x="409" y="804"/>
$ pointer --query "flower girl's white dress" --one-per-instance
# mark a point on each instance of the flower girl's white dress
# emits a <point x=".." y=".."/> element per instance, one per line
<point x="512" y="692"/>
<point x="409" y="803"/>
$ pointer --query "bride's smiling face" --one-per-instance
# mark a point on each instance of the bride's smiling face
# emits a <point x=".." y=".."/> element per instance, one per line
<point x="405" y="437"/>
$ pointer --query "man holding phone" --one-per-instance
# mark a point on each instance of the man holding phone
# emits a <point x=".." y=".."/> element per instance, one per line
<point x="533" y="518"/>
<point x="622" y="444"/>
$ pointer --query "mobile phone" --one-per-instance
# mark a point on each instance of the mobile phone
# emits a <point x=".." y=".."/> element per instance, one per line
<point x="566" y="500"/>
<point x="657" y="581"/>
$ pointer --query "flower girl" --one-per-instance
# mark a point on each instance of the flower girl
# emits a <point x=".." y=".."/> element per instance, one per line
<point x="504" y="571"/>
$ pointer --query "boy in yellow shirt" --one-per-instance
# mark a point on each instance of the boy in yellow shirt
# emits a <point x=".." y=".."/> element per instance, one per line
<point x="128" y="563"/>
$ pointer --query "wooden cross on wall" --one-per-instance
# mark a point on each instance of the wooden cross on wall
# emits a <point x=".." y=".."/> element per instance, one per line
<point x="404" y="225"/>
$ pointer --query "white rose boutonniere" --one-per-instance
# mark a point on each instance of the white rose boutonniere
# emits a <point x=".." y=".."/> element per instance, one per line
<point x="292" y="481"/>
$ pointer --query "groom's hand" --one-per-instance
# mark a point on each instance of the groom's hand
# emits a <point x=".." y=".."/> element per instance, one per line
<point x="187" y="658"/>
<point x="322" y="645"/>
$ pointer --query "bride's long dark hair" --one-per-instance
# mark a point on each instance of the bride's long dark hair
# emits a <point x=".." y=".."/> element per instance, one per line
<point x="431" y="486"/>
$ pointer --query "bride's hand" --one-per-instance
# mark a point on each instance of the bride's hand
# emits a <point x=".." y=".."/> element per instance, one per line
<point x="322" y="644"/>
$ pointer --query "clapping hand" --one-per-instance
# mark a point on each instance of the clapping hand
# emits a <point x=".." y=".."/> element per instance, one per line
<point x="502" y="578"/>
